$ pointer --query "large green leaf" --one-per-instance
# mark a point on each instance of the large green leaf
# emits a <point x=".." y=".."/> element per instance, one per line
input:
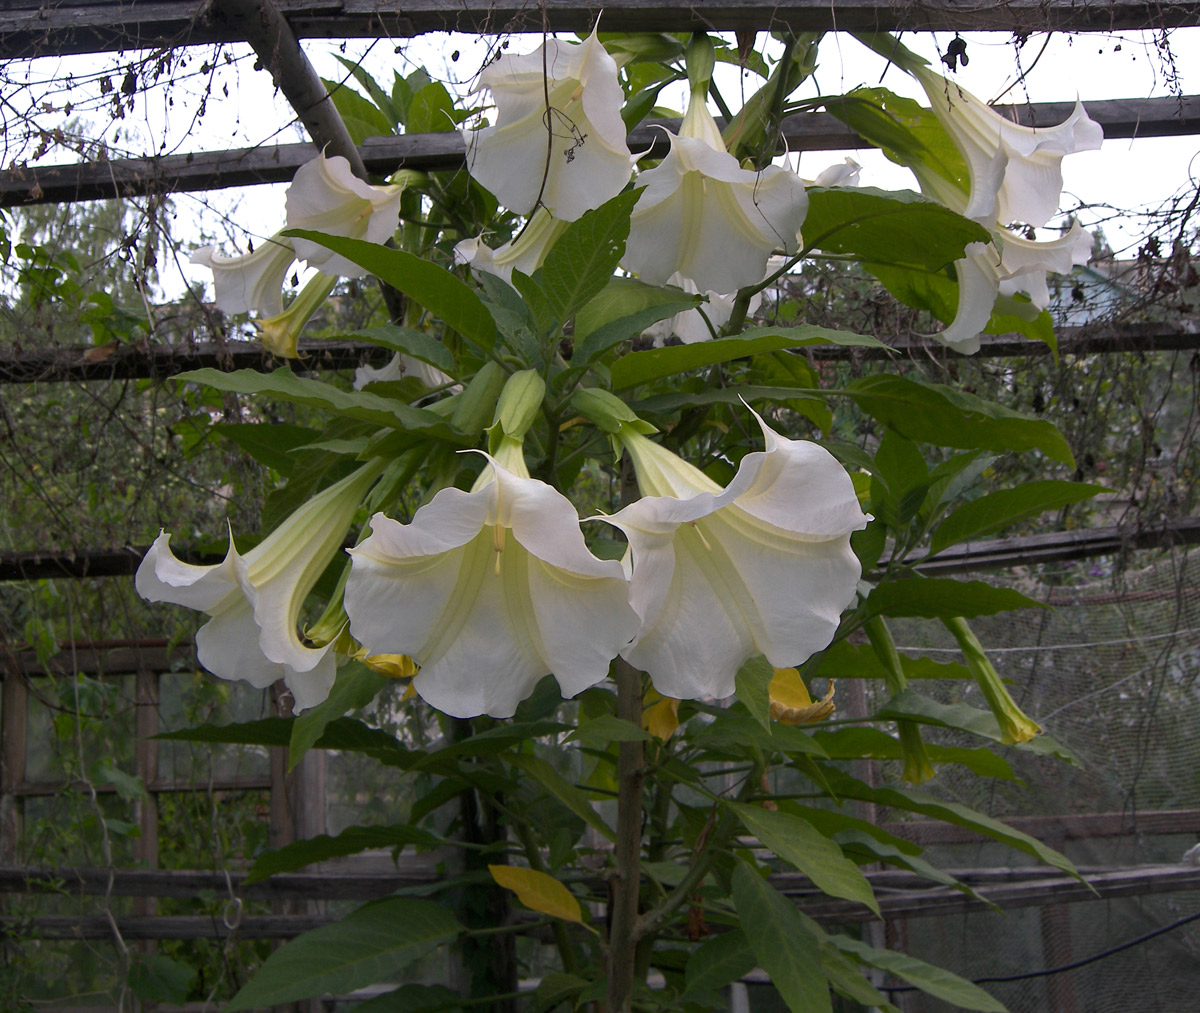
<point x="371" y="945"/>
<point x="361" y="405"/>
<point x="886" y="227"/>
<point x="924" y="804"/>
<point x="269" y="444"/>
<point x="784" y="944"/>
<point x="946" y="417"/>
<point x="350" y="841"/>
<point x="943" y="598"/>
<point x="715" y="395"/>
<point x="913" y="706"/>
<point x="361" y="117"/>
<point x="876" y="744"/>
<point x="656" y="363"/>
<point x="938" y="982"/>
<point x="383" y="101"/>
<point x="716" y="962"/>
<point x="343" y="734"/>
<point x="613" y="332"/>
<point x="418" y="344"/>
<point x="623" y="297"/>
<point x="427" y="284"/>
<point x="844" y="660"/>
<point x="798" y="842"/>
<point x="752" y="683"/>
<point x="570" y="796"/>
<point x="1008" y="506"/>
<point x="582" y="261"/>
<point x="354" y="687"/>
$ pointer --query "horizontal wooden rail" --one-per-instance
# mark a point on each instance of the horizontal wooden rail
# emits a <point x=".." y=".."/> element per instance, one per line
<point x="899" y="896"/>
<point x="32" y="789"/>
<point x="143" y="362"/>
<point x="994" y="554"/>
<point x="1067" y="827"/>
<point x="213" y="170"/>
<point x="31" y="28"/>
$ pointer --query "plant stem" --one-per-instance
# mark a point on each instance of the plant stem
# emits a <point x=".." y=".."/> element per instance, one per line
<point x="625" y="881"/>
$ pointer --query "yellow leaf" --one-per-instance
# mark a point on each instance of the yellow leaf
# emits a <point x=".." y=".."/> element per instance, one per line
<point x="538" y="891"/>
<point x="790" y="702"/>
<point x="660" y="714"/>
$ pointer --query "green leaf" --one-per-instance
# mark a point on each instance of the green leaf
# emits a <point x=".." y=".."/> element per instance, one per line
<point x="343" y="734"/>
<point x="917" y="707"/>
<point x="419" y="345"/>
<point x="907" y="131"/>
<point x="942" y="597"/>
<point x="712" y="395"/>
<point x="350" y="841"/>
<point x="946" y="417"/>
<point x="570" y="796"/>
<point x="599" y="731"/>
<point x="657" y="363"/>
<point x="752" y="684"/>
<point x="623" y="297"/>
<point x="888" y="227"/>
<point x="783" y="944"/>
<point x="925" y="804"/>
<point x="581" y="262"/>
<point x="433" y="287"/>
<point x="858" y="661"/>
<point x="716" y="963"/>
<point x="412" y="999"/>
<point x="382" y="100"/>
<point x="361" y="117"/>
<point x="370" y="945"/>
<point x="361" y="405"/>
<point x="556" y="988"/>
<point x="161" y="979"/>
<point x="431" y="111"/>
<point x="876" y="744"/>
<point x="354" y="687"/>
<point x="269" y="444"/>
<point x="736" y="729"/>
<point x="936" y="981"/>
<point x="614" y="332"/>
<point x="798" y="842"/>
<point x="1008" y="506"/>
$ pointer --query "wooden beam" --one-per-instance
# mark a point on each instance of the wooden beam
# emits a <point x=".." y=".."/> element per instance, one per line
<point x="994" y="554"/>
<point x="912" y="901"/>
<point x="142" y="362"/>
<point x="31" y="28"/>
<point x="1072" y="827"/>
<point x="214" y="170"/>
<point x="237" y="782"/>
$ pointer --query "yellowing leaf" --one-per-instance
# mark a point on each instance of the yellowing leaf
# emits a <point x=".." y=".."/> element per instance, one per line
<point x="660" y="714"/>
<point x="791" y="703"/>
<point x="538" y="891"/>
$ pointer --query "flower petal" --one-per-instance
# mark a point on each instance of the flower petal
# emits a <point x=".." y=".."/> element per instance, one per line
<point x="569" y="151"/>
<point x="250" y="283"/>
<point x="326" y="196"/>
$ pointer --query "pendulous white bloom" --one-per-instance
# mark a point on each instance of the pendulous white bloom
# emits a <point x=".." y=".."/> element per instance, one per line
<point x="559" y="139"/>
<point x="1015" y="171"/>
<point x="719" y="576"/>
<point x="1009" y="265"/>
<point x="254" y="600"/>
<point x="252" y="283"/>
<point x="326" y="196"/>
<point x="523" y="253"/>
<point x="489" y="591"/>
<point x="398" y="368"/>
<point x="703" y="216"/>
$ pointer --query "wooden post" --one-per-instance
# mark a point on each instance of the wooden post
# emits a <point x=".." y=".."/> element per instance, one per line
<point x="1056" y="947"/>
<point x="146" y="767"/>
<point x="13" y="723"/>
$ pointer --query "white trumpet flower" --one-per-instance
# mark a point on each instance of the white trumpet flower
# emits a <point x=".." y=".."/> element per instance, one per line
<point x="719" y="576"/>
<point x="252" y="283"/>
<point x="489" y="591"/>
<point x="559" y="139"/>
<point x="255" y="599"/>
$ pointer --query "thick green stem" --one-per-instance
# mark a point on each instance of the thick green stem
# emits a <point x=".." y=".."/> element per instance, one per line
<point x="626" y="879"/>
<point x="917" y="767"/>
